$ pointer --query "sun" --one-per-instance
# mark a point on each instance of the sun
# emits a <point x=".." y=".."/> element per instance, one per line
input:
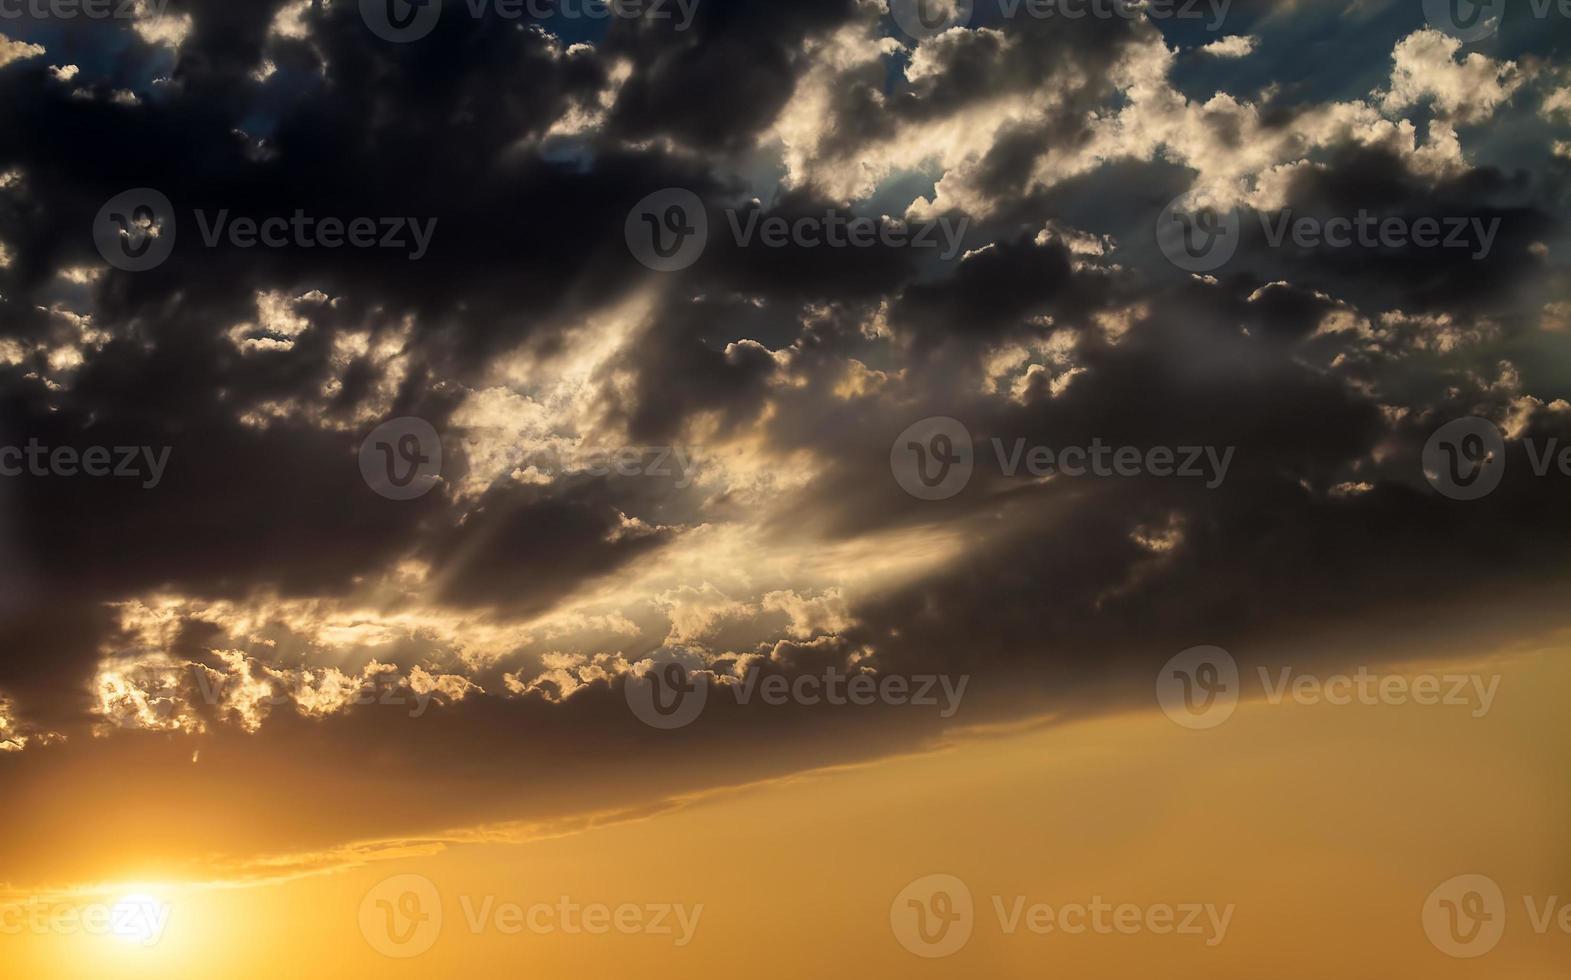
<point x="139" y="919"/>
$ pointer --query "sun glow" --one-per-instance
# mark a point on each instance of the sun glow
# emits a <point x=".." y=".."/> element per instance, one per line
<point x="139" y="919"/>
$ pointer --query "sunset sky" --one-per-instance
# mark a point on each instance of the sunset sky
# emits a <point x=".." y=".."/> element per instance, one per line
<point x="784" y="489"/>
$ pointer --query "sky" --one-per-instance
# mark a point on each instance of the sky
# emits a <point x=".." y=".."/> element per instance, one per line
<point x="893" y="488"/>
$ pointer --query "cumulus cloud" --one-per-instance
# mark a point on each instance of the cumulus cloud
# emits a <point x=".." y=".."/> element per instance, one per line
<point x="1468" y="89"/>
<point x="1234" y="46"/>
<point x="11" y="50"/>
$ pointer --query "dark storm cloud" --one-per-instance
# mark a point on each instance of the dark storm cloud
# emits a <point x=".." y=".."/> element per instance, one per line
<point x="524" y="553"/>
<point x="1509" y="208"/>
<point x="718" y="83"/>
<point x="1323" y="372"/>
